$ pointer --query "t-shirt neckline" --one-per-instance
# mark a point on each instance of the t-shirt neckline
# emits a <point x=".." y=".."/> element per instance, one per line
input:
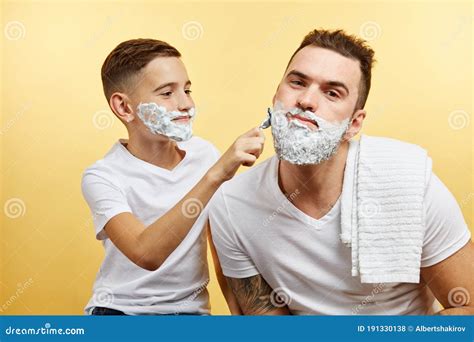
<point x="292" y="209"/>
<point x="139" y="162"/>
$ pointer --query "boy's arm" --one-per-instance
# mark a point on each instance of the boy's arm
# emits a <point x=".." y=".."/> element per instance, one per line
<point x="149" y="247"/>
<point x="226" y="290"/>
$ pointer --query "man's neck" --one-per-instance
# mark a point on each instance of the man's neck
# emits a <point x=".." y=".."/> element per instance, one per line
<point x="162" y="153"/>
<point x="314" y="189"/>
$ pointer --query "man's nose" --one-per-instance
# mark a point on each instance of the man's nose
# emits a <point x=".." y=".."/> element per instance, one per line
<point x="308" y="101"/>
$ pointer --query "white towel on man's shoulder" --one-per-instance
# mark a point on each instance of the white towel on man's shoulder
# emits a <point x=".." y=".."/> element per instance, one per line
<point x="382" y="215"/>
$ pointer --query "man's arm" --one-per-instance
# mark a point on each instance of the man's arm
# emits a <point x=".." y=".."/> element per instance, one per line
<point x="231" y="300"/>
<point x="452" y="281"/>
<point x="148" y="247"/>
<point x="255" y="296"/>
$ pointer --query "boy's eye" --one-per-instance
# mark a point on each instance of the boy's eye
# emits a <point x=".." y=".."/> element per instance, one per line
<point x="168" y="93"/>
<point x="188" y="91"/>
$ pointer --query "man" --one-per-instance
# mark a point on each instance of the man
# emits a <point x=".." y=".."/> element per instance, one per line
<point x="277" y="228"/>
<point x="148" y="194"/>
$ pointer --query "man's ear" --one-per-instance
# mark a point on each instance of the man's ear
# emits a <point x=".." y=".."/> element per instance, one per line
<point x="356" y="124"/>
<point x="120" y="105"/>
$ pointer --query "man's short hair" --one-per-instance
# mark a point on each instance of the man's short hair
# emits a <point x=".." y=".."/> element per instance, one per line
<point x="349" y="46"/>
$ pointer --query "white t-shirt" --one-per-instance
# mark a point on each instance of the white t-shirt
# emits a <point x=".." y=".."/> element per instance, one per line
<point x="122" y="183"/>
<point x="257" y="230"/>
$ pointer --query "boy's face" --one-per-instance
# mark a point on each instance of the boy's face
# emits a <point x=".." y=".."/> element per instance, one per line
<point x="165" y="82"/>
<point x="321" y="81"/>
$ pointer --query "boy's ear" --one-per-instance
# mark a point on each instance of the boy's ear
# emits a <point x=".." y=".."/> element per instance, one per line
<point x="120" y="105"/>
<point x="356" y="124"/>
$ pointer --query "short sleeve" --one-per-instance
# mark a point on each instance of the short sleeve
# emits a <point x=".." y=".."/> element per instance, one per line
<point x="105" y="199"/>
<point x="234" y="261"/>
<point x="446" y="230"/>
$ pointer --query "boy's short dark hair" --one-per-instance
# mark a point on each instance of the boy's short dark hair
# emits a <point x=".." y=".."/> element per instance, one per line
<point x="123" y="64"/>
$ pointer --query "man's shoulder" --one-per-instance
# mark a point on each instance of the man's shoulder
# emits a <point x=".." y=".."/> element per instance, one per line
<point x="388" y="144"/>
<point x="239" y="199"/>
<point x="247" y="183"/>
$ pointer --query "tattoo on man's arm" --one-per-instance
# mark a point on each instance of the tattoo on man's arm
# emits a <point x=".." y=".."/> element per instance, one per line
<point x="253" y="294"/>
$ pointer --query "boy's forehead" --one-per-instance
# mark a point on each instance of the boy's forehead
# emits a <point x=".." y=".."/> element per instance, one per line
<point x="320" y="63"/>
<point x="163" y="70"/>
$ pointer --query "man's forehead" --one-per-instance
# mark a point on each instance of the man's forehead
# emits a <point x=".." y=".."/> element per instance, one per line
<point x="320" y="63"/>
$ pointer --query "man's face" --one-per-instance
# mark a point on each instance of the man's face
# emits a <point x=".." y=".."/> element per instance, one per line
<point x="165" y="82"/>
<point x="314" y="106"/>
<point x="321" y="81"/>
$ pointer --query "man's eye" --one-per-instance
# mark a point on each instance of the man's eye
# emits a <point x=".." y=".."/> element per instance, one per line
<point x="298" y="83"/>
<point x="168" y="93"/>
<point x="332" y="93"/>
<point x="188" y="91"/>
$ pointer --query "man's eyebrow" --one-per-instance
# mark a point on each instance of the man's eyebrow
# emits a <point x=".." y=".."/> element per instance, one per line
<point x="338" y="84"/>
<point x="298" y="74"/>
<point x="306" y="77"/>
<point x="170" y="84"/>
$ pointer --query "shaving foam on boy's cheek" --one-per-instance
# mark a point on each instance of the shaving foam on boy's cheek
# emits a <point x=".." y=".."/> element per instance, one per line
<point x="298" y="144"/>
<point x="160" y="121"/>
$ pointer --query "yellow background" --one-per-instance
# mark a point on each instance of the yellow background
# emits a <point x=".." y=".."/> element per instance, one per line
<point x="55" y="120"/>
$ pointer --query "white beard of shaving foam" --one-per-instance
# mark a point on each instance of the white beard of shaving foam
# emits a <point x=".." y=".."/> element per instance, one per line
<point x="299" y="144"/>
<point x="160" y="121"/>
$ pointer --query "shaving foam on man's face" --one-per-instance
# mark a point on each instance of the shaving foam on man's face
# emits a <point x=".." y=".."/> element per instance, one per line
<point x="303" y="138"/>
<point x="174" y="124"/>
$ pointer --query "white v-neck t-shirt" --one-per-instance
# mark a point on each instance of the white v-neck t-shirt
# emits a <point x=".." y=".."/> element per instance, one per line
<point x="121" y="183"/>
<point x="257" y="230"/>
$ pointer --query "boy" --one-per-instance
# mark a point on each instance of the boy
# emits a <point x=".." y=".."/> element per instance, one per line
<point x="148" y="194"/>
